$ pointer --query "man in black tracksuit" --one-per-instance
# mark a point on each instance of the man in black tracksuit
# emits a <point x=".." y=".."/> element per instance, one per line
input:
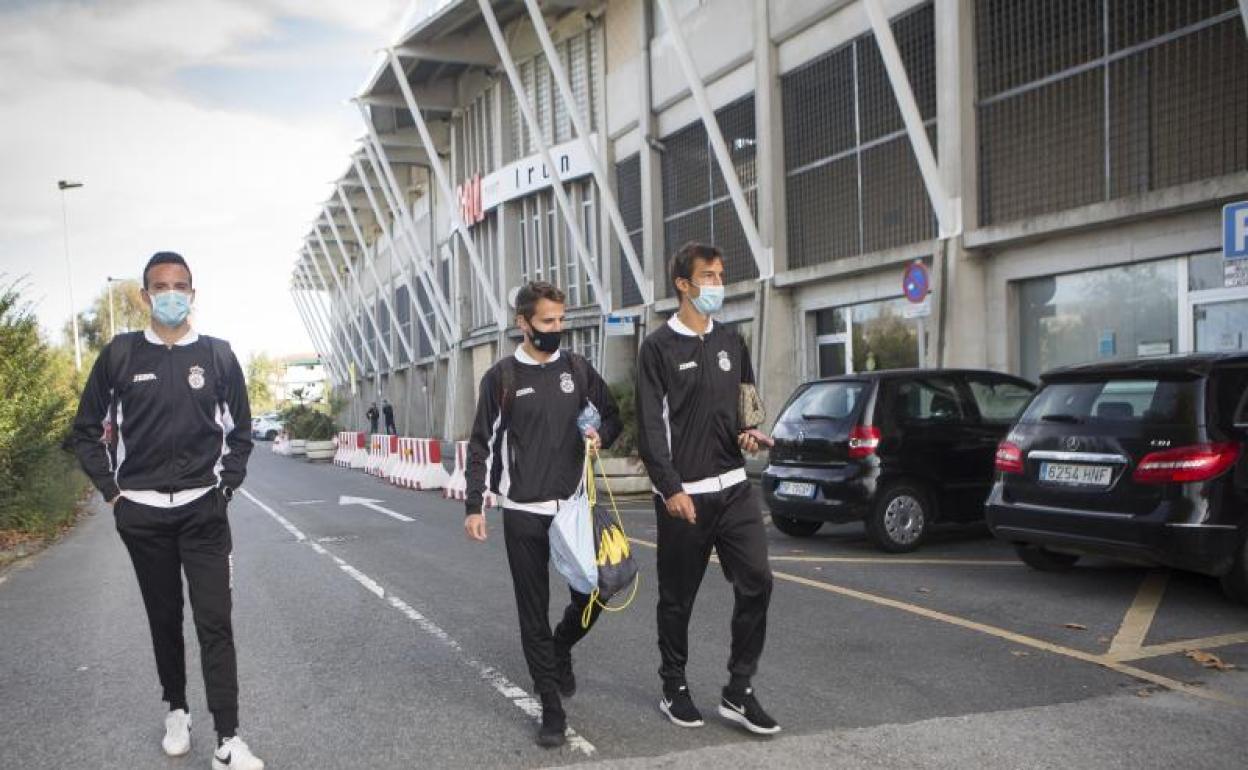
<point x="689" y="377"/>
<point x="526" y="448"/>
<point x="176" y="404"/>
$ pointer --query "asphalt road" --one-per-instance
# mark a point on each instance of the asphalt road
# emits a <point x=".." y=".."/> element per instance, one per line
<point x="367" y="641"/>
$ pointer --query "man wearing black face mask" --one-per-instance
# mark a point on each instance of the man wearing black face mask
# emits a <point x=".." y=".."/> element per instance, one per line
<point x="527" y="449"/>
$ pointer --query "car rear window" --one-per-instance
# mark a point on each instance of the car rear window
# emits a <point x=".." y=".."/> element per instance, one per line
<point x="999" y="401"/>
<point x="1148" y="401"/>
<point x="826" y="401"/>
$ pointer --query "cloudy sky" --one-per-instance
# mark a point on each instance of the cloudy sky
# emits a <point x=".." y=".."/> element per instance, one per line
<point x="208" y="127"/>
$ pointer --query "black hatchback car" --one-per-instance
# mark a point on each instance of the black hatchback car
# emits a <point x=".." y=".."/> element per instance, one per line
<point x="896" y="449"/>
<point x="1143" y="460"/>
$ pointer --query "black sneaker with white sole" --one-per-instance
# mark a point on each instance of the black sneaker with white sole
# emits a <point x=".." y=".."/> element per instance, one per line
<point x="744" y="709"/>
<point x="677" y="705"/>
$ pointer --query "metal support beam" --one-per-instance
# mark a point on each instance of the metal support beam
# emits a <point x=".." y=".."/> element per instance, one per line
<point x="342" y="297"/>
<point x="581" y="129"/>
<point x="359" y="284"/>
<point x="762" y="255"/>
<point x="947" y="210"/>
<point x="571" y="220"/>
<point x="444" y="183"/>
<point x="405" y="226"/>
<point x="404" y="223"/>
<point x="369" y="259"/>
<point x="325" y="315"/>
<point x="354" y="282"/>
<point x="325" y="353"/>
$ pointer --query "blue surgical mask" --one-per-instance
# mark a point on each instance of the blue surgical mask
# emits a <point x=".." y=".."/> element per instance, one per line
<point x="171" y="308"/>
<point x="709" y="300"/>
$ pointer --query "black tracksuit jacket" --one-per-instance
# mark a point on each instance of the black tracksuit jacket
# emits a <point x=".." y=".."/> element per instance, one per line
<point x="688" y="387"/>
<point x="535" y="453"/>
<point x="181" y="424"/>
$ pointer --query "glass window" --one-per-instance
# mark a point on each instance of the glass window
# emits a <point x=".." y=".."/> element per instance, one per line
<point x="998" y="401"/>
<point x="930" y="399"/>
<point x="1206" y="271"/>
<point x="1119" y="312"/>
<point x="826" y="401"/>
<point x="883" y="338"/>
<point x="1150" y="401"/>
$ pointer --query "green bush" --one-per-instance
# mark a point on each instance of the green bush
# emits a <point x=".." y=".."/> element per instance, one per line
<point x="308" y="424"/>
<point x="39" y="483"/>
<point x="626" y="400"/>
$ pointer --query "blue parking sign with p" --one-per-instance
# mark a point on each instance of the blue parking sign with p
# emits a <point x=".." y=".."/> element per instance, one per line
<point x="1235" y="230"/>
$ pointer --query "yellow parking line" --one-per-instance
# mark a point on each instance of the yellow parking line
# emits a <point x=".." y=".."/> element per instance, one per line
<point x="1001" y="633"/>
<point x="899" y="560"/>
<point x="1183" y="645"/>
<point x="1139" y="617"/>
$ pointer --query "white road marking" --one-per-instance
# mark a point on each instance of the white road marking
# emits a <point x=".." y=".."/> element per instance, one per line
<point x="504" y="686"/>
<point x="368" y="503"/>
<point x="303" y="502"/>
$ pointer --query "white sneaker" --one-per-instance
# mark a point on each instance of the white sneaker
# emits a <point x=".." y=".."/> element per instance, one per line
<point x="177" y="742"/>
<point x="234" y="755"/>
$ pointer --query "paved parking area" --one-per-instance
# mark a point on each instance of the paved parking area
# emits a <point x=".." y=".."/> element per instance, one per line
<point x="1154" y="627"/>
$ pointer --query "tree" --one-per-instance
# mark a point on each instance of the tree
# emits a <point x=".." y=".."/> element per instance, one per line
<point x="129" y="314"/>
<point x="262" y="375"/>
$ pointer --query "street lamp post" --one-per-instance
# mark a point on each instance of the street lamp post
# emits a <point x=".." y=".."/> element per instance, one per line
<point x="63" y="185"/>
<point x="112" y="322"/>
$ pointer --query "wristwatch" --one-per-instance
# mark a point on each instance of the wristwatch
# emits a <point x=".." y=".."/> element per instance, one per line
<point x="227" y="492"/>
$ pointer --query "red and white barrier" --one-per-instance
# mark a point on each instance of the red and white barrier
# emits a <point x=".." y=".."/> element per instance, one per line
<point x="457" y="484"/>
<point x="430" y="474"/>
<point x="348" y="443"/>
<point x="386" y="471"/>
<point x="359" y="458"/>
<point x="377" y="446"/>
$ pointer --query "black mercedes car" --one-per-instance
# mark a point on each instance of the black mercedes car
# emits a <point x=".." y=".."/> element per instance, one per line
<point x="1143" y="460"/>
<point x="896" y="449"/>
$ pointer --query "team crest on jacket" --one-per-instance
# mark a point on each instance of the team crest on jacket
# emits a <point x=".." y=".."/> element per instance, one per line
<point x="196" y="377"/>
<point x="724" y="362"/>
<point x="565" y="383"/>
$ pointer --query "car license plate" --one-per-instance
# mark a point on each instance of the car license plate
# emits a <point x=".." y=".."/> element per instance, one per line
<point x="795" y="489"/>
<point x="1076" y="475"/>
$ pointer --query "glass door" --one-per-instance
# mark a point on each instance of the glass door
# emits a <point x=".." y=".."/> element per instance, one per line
<point x="1220" y="326"/>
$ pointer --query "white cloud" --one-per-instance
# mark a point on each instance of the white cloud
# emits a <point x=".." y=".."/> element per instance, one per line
<point x="90" y="92"/>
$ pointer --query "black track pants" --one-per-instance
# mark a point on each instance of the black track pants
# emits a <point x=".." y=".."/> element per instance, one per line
<point x="527" y="536"/>
<point x="731" y="522"/>
<point x="195" y="539"/>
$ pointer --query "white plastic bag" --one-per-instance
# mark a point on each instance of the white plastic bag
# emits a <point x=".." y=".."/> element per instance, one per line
<point x="572" y="543"/>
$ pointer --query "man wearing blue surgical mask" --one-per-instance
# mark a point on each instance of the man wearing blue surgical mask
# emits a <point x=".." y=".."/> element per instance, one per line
<point x="689" y="377"/>
<point x="180" y="437"/>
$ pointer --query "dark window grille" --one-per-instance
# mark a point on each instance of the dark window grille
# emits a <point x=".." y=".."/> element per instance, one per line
<point x="852" y="182"/>
<point x="403" y="319"/>
<point x="628" y="195"/>
<point x="1081" y="101"/>
<point x="696" y="204"/>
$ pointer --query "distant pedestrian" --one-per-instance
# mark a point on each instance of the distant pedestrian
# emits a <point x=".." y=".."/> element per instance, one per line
<point x="372" y="414"/>
<point x="177" y="405"/>
<point x="388" y="411"/>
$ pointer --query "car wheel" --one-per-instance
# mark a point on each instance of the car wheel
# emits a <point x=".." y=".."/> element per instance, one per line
<point x="1235" y="582"/>
<point x="270" y="435"/>
<point x="795" y="527"/>
<point x="899" y="520"/>
<point x="1042" y="559"/>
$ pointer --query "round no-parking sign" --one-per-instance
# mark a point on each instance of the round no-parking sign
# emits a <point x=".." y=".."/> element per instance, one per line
<point x="916" y="282"/>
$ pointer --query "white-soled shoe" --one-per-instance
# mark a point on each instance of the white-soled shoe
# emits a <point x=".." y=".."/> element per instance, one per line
<point x="234" y="755"/>
<point x="177" y="741"/>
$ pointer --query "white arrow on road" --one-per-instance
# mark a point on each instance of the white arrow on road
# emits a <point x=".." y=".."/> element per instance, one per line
<point x="367" y="503"/>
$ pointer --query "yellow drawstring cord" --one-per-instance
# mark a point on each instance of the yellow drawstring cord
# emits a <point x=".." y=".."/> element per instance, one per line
<point x="591" y="489"/>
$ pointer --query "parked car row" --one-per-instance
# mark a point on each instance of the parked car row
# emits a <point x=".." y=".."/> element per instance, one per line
<point x="1144" y="460"/>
